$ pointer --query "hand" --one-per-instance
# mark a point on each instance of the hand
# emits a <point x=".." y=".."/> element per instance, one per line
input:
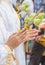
<point x="16" y="38"/>
<point x="41" y="40"/>
<point x="38" y="38"/>
<point x="24" y="35"/>
<point x="31" y="34"/>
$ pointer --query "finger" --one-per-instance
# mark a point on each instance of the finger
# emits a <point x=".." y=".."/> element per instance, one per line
<point x="21" y="37"/>
<point x="18" y="33"/>
<point x="33" y="29"/>
<point x="27" y="39"/>
<point x="31" y="32"/>
<point x="20" y="41"/>
<point x="14" y="34"/>
<point x="21" y="31"/>
<point x="22" y="34"/>
<point x="23" y="40"/>
<point x="32" y="38"/>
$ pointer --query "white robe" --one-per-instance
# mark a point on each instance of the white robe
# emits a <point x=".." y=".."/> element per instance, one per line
<point x="13" y="2"/>
<point x="10" y="25"/>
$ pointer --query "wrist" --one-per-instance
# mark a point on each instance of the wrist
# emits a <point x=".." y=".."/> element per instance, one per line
<point x="10" y="46"/>
<point x="7" y="47"/>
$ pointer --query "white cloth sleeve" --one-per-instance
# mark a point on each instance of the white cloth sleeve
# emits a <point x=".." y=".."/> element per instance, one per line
<point x="3" y="55"/>
<point x="12" y="24"/>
